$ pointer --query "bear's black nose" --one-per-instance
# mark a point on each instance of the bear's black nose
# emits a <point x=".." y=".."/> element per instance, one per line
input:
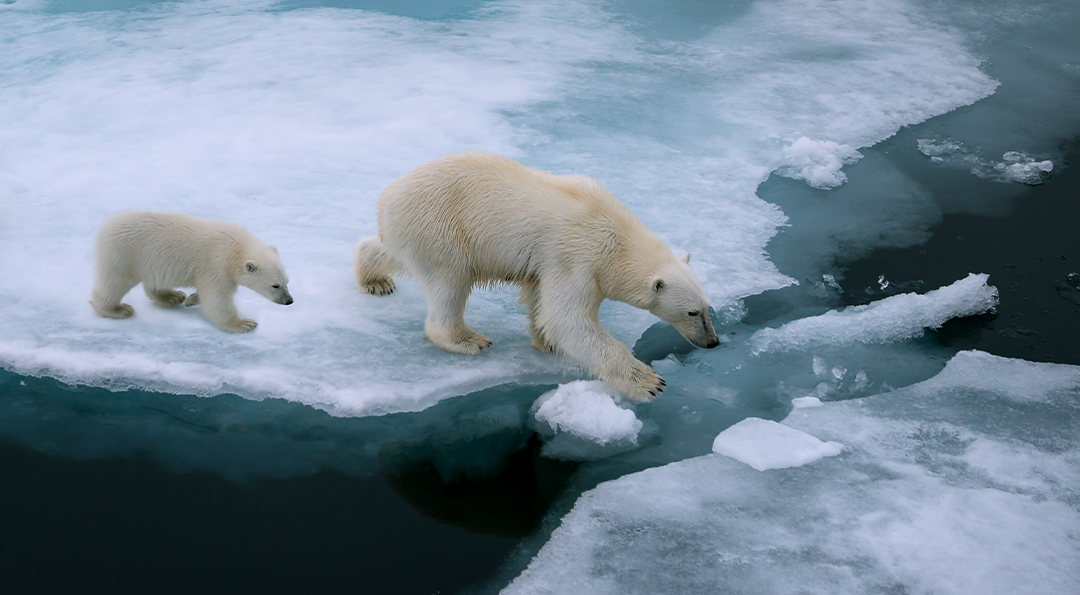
<point x="712" y="343"/>
<point x="288" y="300"/>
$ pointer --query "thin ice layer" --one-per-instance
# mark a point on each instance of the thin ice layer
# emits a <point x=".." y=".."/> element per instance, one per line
<point x="764" y="444"/>
<point x="291" y="122"/>
<point x="965" y="483"/>
<point x="892" y="319"/>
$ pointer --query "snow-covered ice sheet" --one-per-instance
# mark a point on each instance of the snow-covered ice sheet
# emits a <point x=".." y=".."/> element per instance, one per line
<point x="964" y="483"/>
<point x="290" y="122"/>
<point x="764" y="444"/>
<point x="894" y="318"/>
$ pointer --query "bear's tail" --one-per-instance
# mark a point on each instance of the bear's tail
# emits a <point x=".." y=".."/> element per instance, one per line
<point x="373" y="267"/>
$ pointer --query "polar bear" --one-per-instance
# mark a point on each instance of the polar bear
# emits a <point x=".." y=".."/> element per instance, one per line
<point x="480" y="219"/>
<point x="168" y="250"/>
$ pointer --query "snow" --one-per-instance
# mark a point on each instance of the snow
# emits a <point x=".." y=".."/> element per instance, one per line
<point x="765" y="444"/>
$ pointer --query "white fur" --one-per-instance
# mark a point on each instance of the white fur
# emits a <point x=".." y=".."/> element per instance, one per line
<point x="476" y="218"/>
<point x="168" y="250"/>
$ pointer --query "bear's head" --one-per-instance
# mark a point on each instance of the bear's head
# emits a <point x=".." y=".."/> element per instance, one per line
<point x="677" y="298"/>
<point x="264" y="273"/>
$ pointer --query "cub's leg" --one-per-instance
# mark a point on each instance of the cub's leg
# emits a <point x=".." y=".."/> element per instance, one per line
<point x="110" y="287"/>
<point x="528" y="297"/>
<point x="192" y="300"/>
<point x="445" y="324"/>
<point x="218" y="306"/>
<point x="372" y="267"/>
<point x="169" y="298"/>
<point x="569" y="319"/>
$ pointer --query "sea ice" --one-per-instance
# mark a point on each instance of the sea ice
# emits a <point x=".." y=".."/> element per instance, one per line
<point x="765" y="444"/>
<point x="892" y="319"/>
<point x="817" y="162"/>
<point x="291" y="122"/>
<point x="580" y="412"/>
<point x="964" y="483"/>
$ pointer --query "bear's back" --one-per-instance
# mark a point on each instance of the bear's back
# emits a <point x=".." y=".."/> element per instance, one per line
<point x="507" y="219"/>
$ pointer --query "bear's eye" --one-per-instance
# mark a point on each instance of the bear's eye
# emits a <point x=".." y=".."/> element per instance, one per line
<point x="276" y="286"/>
<point x="693" y="313"/>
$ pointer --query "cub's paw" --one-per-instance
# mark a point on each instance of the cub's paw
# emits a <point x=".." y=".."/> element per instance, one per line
<point x="644" y="384"/>
<point x="379" y="286"/>
<point x="244" y="325"/>
<point x="169" y="298"/>
<point x="118" y="311"/>
<point x="192" y="300"/>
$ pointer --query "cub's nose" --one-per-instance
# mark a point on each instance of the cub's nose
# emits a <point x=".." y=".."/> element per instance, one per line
<point x="712" y="343"/>
<point x="288" y="300"/>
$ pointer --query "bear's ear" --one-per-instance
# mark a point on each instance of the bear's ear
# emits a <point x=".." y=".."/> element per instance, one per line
<point x="685" y="258"/>
<point x="250" y="266"/>
<point x="274" y="248"/>
<point x="657" y="284"/>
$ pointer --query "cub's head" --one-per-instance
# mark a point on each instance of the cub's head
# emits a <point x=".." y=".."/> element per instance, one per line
<point x="264" y="273"/>
<point x="679" y="300"/>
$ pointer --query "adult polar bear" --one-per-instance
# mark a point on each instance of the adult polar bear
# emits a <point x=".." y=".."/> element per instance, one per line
<point x="477" y="218"/>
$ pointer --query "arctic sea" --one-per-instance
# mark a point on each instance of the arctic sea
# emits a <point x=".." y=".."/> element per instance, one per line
<point x="879" y="197"/>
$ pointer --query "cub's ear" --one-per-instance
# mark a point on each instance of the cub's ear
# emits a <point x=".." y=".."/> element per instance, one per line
<point x="657" y="284"/>
<point x="685" y="258"/>
<point x="250" y="266"/>
<point x="274" y="248"/>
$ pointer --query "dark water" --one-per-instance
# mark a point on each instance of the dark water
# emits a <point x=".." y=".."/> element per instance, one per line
<point x="102" y="492"/>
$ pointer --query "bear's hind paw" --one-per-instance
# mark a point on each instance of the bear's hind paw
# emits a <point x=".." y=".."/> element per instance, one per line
<point x="380" y="286"/>
<point x="168" y="298"/>
<point x="192" y="300"/>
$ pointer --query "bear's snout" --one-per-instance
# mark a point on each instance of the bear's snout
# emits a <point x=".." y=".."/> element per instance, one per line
<point x="287" y="300"/>
<point x="712" y="343"/>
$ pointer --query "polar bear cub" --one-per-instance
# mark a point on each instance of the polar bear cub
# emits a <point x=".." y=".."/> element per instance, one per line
<point x="477" y="218"/>
<point x="168" y="250"/>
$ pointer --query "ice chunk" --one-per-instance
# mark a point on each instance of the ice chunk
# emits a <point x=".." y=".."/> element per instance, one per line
<point x="892" y="319"/>
<point x="765" y="444"/>
<point x="817" y="162"/>
<point x="800" y="402"/>
<point x="583" y="412"/>
<point x="935" y="493"/>
<point x="1014" y="166"/>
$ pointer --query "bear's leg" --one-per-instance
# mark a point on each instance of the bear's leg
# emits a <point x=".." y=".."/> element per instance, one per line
<point x="109" y="289"/>
<point x="528" y="296"/>
<point x="445" y="325"/>
<point x="169" y="298"/>
<point x="372" y="267"/>
<point x="567" y="313"/>
<point x="219" y="308"/>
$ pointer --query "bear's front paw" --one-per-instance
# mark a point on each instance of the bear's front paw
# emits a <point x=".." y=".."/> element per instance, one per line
<point x="244" y="325"/>
<point x="380" y="286"/>
<point x="119" y="311"/>
<point x="470" y="344"/>
<point x="192" y="300"/>
<point x="644" y="383"/>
